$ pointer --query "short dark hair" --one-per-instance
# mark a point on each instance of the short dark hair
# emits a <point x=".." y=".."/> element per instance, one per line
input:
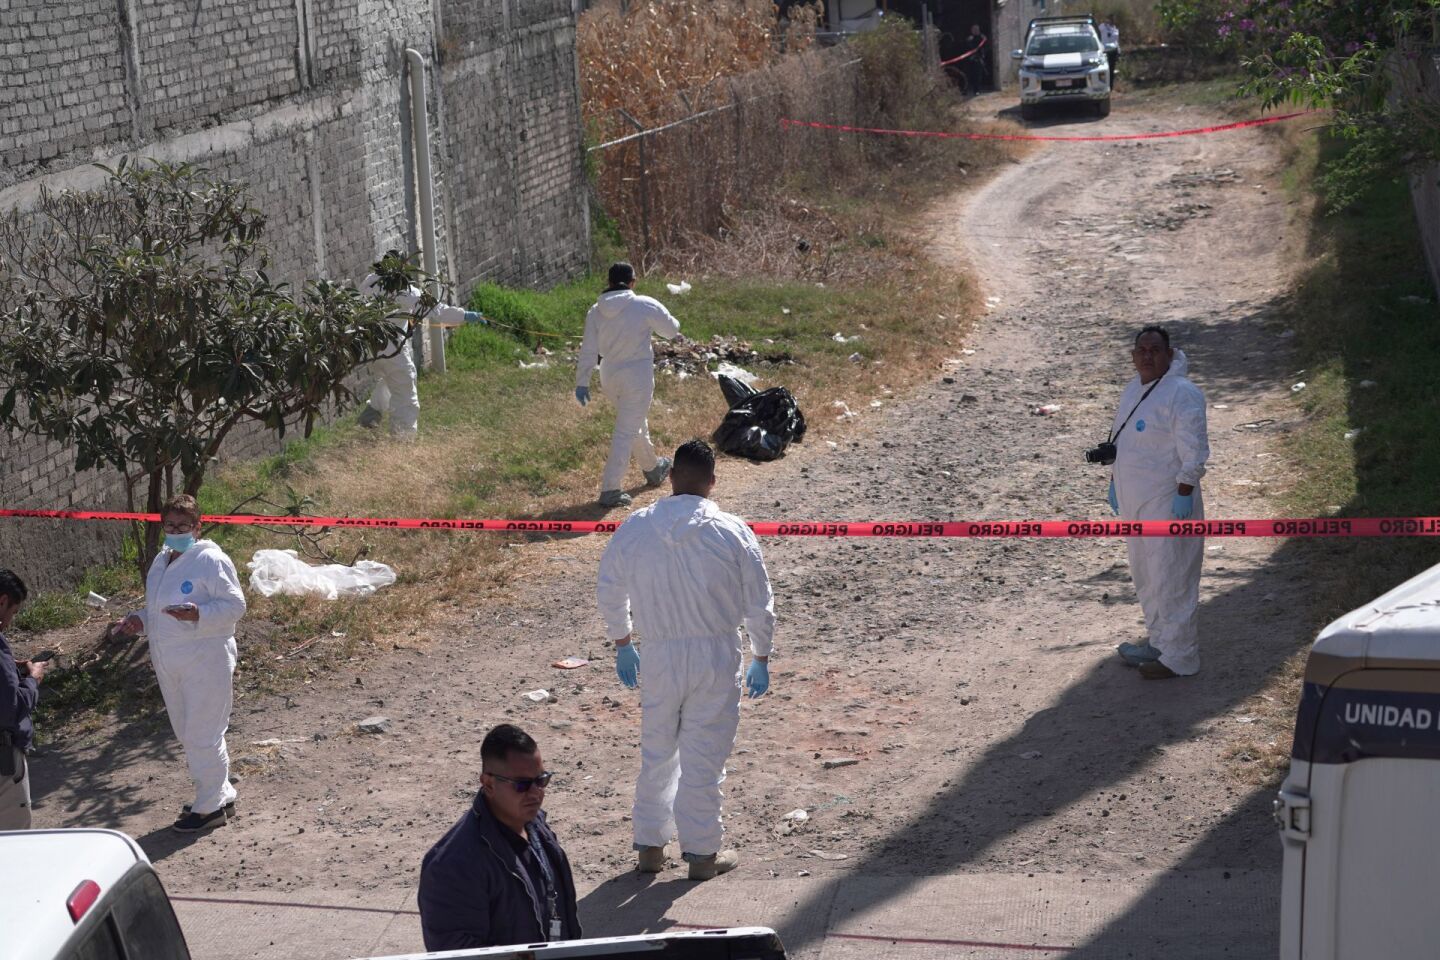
<point x="13" y="587"/>
<point x="621" y="275"/>
<point x="695" y="458"/>
<point x="504" y="740"/>
<point x="1153" y="328"/>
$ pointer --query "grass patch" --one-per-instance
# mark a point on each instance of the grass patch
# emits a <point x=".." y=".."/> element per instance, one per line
<point x="51" y="611"/>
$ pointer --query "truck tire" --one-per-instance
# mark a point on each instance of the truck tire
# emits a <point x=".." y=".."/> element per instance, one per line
<point x="1102" y="107"/>
<point x="1029" y="111"/>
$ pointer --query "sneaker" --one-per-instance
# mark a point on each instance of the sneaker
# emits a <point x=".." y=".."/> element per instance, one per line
<point x="708" y="868"/>
<point x="656" y="476"/>
<point x="1155" y="670"/>
<point x="1135" y="654"/>
<point x="650" y="859"/>
<point x="370" y="417"/>
<point x="194" y="822"/>
<point x="614" y="498"/>
<point x="229" y="809"/>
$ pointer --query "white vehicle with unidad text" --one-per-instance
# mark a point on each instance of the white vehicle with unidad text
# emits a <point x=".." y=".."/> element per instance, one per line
<point x="1063" y="61"/>
<point x="93" y="895"/>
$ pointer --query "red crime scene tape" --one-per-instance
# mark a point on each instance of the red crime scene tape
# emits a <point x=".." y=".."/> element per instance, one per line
<point x="967" y="53"/>
<point x="786" y="123"/>
<point x="974" y="529"/>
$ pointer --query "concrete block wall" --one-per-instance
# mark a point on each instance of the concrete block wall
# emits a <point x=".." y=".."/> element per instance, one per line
<point x="307" y="101"/>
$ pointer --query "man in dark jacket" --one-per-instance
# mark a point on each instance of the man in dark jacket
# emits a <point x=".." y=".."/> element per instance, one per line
<point x="19" y="691"/>
<point x="499" y="876"/>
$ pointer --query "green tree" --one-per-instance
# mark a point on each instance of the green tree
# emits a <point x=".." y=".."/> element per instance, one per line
<point x="138" y="326"/>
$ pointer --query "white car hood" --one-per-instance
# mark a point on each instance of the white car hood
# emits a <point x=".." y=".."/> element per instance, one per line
<point x="1060" y="60"/>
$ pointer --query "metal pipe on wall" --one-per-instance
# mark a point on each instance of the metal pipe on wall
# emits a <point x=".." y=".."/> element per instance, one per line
<point x="429" y="258"/>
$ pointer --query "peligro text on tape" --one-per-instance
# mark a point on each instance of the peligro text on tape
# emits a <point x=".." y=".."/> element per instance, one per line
<point x="971" y="529"/>
<point x="786" y="124"/>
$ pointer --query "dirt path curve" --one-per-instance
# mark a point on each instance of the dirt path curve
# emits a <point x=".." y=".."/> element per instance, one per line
<point x="974" y="682"/>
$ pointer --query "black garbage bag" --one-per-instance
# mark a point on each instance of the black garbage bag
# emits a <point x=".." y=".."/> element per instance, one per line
<point x="760" y="425"/>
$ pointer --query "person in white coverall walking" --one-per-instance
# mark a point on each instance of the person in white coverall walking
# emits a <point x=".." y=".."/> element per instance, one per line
<point x="617" y="337"/>
<point x="684" y="576"/>
<point x="1161" y="448"/>
<point x="193" y="601"/>
<point x="394" y="379"/>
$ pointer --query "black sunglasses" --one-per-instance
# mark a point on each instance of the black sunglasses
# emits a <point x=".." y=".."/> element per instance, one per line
<point x="524" y="785"/>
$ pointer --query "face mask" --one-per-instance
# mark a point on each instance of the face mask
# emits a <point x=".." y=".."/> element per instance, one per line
<point x="179" y="542"/>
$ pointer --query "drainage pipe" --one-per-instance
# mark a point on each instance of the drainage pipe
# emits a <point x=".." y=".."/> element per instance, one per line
<point x="420" y="132"/>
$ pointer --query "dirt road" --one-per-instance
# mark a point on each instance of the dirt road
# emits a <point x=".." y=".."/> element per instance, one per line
<point x="974" y="682"/>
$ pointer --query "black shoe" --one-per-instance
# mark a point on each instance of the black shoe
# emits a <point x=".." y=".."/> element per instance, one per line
<point x="1155" y="670"/>
<point x="229" y="808"/>
<point x="194" y="822"/>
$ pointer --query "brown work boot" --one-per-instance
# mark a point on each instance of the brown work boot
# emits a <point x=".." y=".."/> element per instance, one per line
<point x="708" y="868"/>
<point x="1155" y="670"/>
<point x="650" y="859"/>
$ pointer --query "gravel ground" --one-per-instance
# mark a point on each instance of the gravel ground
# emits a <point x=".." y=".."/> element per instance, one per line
<point x="973" y="682"/>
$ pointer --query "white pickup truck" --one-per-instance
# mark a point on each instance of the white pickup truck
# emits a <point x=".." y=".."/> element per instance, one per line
<point x="92" y="895"/>
<point x="1063" y="60"/>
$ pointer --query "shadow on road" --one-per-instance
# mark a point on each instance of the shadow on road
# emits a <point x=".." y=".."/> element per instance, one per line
<point x="630" y="904"/>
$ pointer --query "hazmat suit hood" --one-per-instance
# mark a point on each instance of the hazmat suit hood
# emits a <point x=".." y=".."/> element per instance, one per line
<point x="611" y="304"/>
<point x="683" y="516"/>
<point x="1179" y="365"/>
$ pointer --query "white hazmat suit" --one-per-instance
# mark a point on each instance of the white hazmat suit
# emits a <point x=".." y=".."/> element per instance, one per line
<point x="689" y="575"/>
<point x="395" y="388"/>
<point x="617" y="336"/>
<point x="1165" y="444"/>
<point x="195" y="662"/>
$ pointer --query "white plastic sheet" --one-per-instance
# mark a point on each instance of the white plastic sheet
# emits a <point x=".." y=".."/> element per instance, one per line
<point x="282" y="571"/>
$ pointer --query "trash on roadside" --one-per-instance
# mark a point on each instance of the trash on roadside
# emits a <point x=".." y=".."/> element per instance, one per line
<point x="876" y="404"/>
<point x="856" y="357"/>
<point x="758" y="426"/>
<point x="95" y="600"/>
<point x="537" y="696"/>
<point x="841" y="338"/>
<point x="678" y="289"/>
<point x="827" y="855"/>
<point x="374" y="725"/>
<point x="797" y="816"/>
<point x="537" y="365"/>
<point x="1352" y="434"/>
<point x="1296" y="388"/>
<point x="845" y="412"/>
<point x="282" y="571"/>
<point x="728" y="369"/>
<point x="832" y="444"/>
<point x="570" y="663"/>
<point x="1046" y="410"/>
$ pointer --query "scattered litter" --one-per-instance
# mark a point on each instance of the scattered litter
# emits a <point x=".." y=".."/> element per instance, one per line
<point x="826" y="855"/>
<point x="841" y="338"/>
<point x="95" y="600"/>
<point x="1287" y="334"/>
<point x="1222" y="406"/>
<point x="839" y="762"/>
<point x="785" y="311"/>
<point x="992" y="302"/>
<point x="876" y="404"/>
<point x="278" y="741"/>
<point x="693" y="356"/>
<point x="1352" y="434"/>
<point x="374" y="725"/>
<point x="678" y="289"/>
<point x="832" y="444"/>
<point x="1367" y="384"/>
<point x="282" y="571"/>
<point x="802" y="873"/>
<point x="537" y="696"/>
<point x="338" y="634"/>
<point x="1296" y="388"/>
<point x="968" y="352"/>
<point x="537" y="365"/>
<point x="1255" y="424"/>
<point x="1046" y="410"/>
<point x="1247" y="719"/>
<point x="855" y="357"/>
<point x="845" y="412"/>
<point x="1031" y="755"/>
<point x="728" y="369"/>
<point x="797" y="815"/>
<point x="571" y="663"/>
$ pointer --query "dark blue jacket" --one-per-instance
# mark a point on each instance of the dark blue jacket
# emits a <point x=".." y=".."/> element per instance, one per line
<point x="17" y="698"/>
<point x="475" y="892"/>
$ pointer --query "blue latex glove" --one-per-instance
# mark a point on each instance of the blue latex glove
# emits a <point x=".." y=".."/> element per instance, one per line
<point x="582" y="396"/>
<point x="473" y="316"/>
<point x="757" y="678"/>
<point x="1182" y="507"/>
<point x="627" y="665"/>
<point x="1114" y="503"/>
